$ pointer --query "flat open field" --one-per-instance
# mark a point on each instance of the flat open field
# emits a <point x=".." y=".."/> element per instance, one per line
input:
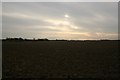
<point x="59" y="59"/>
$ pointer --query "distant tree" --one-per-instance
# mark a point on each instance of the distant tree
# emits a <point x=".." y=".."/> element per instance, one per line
<point x="21" y="39"/>
<point x="15" y="39"/>
<point x="33" y="39"/>
<point x="43" y="39"/>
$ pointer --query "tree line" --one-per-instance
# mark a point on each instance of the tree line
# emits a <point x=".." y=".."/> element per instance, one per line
<point x="45" y="39"/>
<point x="22" y="39"/>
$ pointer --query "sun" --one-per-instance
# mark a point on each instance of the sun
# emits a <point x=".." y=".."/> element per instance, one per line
<point x="66" y="16"/>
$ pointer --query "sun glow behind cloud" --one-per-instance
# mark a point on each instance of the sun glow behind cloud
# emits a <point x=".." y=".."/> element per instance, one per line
<point x="66" y="16"/>
<point x="72" y="21"/>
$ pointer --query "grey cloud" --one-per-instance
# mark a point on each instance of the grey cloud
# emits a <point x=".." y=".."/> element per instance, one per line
<point x="14" y="22"/>
<point x="82" y="15"/>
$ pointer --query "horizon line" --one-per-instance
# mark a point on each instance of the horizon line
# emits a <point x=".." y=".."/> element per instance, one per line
<point x="37" y="39"/>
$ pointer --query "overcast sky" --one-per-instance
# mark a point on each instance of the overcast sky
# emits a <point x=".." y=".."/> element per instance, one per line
<point x="60" y="0"/>
<point x="60" y="20"/>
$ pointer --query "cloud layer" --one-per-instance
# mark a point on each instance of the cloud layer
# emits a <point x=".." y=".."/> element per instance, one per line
<point x="60" y="20"/>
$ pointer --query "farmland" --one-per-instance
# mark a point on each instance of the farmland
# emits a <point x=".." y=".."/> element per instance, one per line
<point x="60" y="59"/>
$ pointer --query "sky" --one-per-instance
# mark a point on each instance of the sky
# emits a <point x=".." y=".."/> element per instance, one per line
<point x="60" y="20"/>
<point x="59" y="0"/>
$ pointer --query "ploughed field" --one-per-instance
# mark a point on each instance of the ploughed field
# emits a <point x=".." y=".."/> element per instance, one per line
<point x="60" y="59"/>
